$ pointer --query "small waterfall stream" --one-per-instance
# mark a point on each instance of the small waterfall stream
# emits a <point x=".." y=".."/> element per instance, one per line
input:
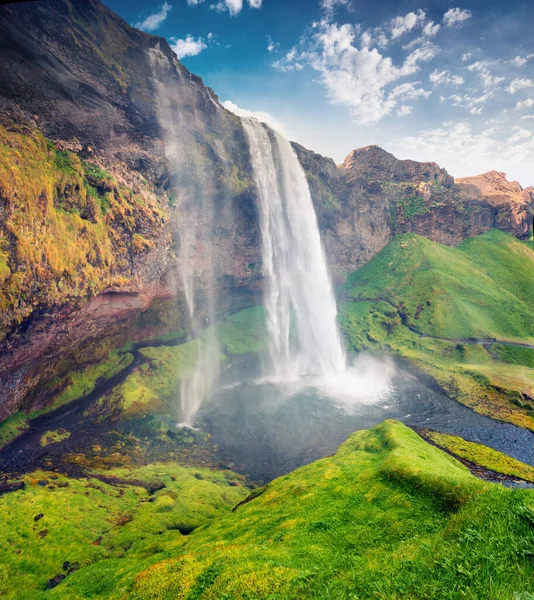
<point x="297" y="280"/>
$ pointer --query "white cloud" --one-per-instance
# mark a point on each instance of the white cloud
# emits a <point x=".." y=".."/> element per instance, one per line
<point x="431" y="29"/>
<point x="272" y="46"/>
<point x="330" y="5"/>
<point x="464" y="151"/>
<point x="289" y="62"/>
<point x="444" y="77"/>
<point x="189" y="46"/>
<point x="466" y="56"/>
<point x="234" y="7"/>
<point x="488" y="80"/>
<point x="519" y="84"/>
<point x="456" y="16"/>
<point x="153" y="21"/>
<point x="401" y="25"/>
<point x="528" y="103"/>
<point x="264" y="117"/>
<point x="404" y="110"/>
<point x="521" y="61"/>
<point x="360" y="77"/>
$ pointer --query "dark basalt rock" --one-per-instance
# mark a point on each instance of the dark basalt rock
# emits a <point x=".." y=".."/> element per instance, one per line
<point x="5" y="488"/>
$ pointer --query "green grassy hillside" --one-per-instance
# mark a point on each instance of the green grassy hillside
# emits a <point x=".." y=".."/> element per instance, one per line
<point x="388" y="516"/>
<point x="424" y="301"/>
<point x="483" y="288"/>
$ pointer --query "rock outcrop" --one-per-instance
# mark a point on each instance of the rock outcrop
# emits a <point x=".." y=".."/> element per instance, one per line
<point x="372" y="196"/>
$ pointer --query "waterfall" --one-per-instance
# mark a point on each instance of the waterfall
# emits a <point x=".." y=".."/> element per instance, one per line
<point x="294" y="264"/>
<point x="194" y="188"/>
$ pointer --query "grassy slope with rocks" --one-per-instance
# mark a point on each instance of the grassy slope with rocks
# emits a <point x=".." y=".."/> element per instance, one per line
<point x="388" y="516"/>
<point x="152" y="386"/>
<point x="57" y="524"/>
<point x="70" y="228"/>
<point x="482" y="455"/>
<point x="423" y="301"/>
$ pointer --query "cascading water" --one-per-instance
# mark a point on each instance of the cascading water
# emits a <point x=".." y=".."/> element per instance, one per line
<point x="297" y="280"/>
<point x="195" y="192"/>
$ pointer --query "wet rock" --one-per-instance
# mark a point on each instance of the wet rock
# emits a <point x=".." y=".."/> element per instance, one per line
<point x="38" y="517"/>
<point x="55" y="581"/>
<point x="42" y="482"/>
<point x="70" y="567"/>
<point x="5" y="488"/>
<point x="155" y="486"/>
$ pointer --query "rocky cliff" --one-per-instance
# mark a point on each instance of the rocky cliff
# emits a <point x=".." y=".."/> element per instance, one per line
<point x="364" y="202"/>
<point x="120" y="172"/>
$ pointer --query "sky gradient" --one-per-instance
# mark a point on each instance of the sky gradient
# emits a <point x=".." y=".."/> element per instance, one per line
<point x="446" y="82"/>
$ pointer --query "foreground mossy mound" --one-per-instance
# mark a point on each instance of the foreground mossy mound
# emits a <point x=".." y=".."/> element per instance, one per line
<point x="388" y="516"/>
<point x="57" y="525"/>
<point x="453" y="311"/>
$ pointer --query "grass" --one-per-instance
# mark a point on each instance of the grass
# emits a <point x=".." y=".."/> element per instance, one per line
<point x="388" y="516"/>
<point x="54" y="437"/>
<point x="478" y="290"/>
<point x="57" y="520"/>
<point x="70" y="228"/>
<point x="482" y="455"/>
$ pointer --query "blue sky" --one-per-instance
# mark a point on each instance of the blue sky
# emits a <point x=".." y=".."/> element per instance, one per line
<point x="437" y="81"/>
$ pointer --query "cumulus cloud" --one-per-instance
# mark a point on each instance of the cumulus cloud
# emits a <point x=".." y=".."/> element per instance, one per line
<point x="357" y="75"/>
<point x="519" y="84"/>
<point x="234" y="7"/>
<point x="528" y="103"/>
<point x="456" y="16"/>
<point x="264" y="117"/>
<point x="402" y="25"/>
<point x="153" y="21"/>
<point x="189" y="46"/>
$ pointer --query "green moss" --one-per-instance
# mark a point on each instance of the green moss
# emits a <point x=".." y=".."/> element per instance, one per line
<point x="387" y="516"/>
<point x="514" y="355"/>
<point x="71" y="523"/>
<point x="13" y="426"/>
<point x="482" y="455"/>
<point x="71" y="227"/>
<point x="243" y="332"/>
<point x="54" y="437"/>
<point x="73" y="386"/>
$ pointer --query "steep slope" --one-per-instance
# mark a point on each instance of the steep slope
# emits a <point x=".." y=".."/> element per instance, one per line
<point x="387" y="516"/>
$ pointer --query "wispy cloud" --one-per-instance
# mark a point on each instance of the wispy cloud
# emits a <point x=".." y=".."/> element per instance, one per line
<point x="456" y="16"/>
<point x="153" y="21"/>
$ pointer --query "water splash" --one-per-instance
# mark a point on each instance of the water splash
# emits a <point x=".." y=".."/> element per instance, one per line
<point x="297" y="280"/>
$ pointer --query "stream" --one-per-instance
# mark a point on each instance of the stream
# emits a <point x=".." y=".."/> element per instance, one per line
<point x="266" y="429"/>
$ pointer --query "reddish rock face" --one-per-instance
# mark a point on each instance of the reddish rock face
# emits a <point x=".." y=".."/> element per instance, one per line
<point x="513" y="203"/>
